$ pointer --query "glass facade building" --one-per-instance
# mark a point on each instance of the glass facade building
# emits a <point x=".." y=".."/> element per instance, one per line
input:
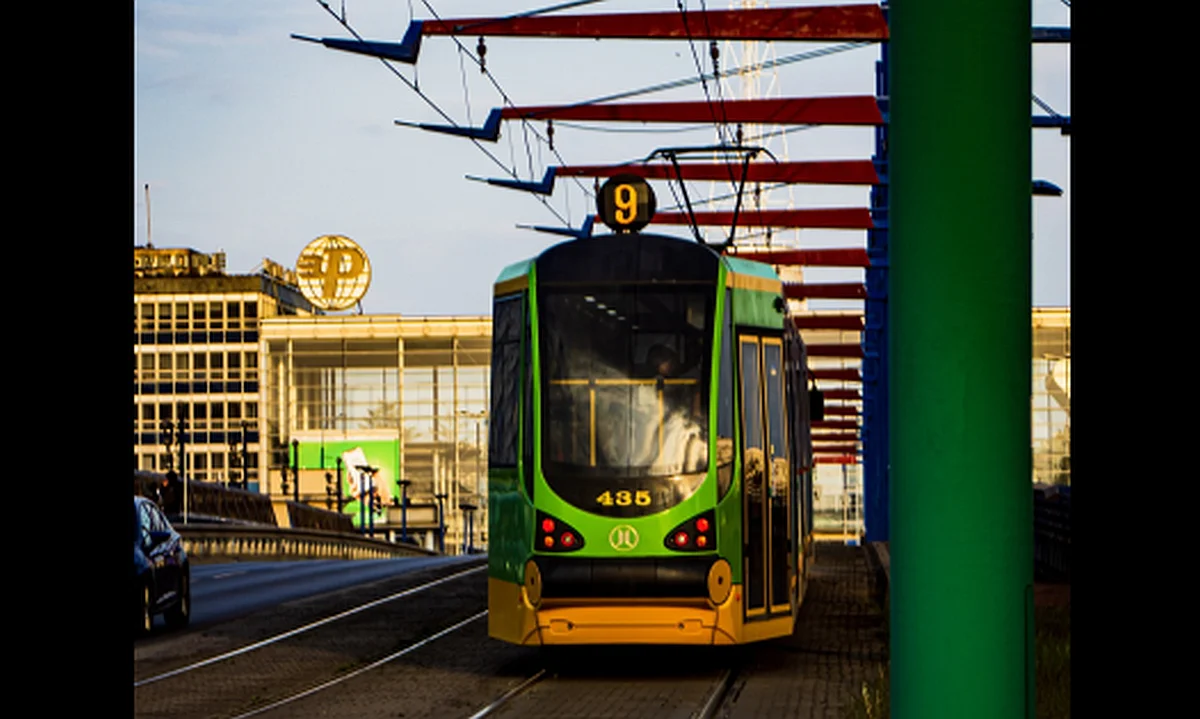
<point x="1051" y="398"/>
<point x="405" y="397"/>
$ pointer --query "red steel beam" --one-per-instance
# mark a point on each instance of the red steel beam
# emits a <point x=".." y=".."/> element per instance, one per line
<point x="830" y="322"/>
<point x="845" y="110"/>
<point x="841" y="459"/>
<point x="842" y="394"/>
<point x="834" y="424"/>
<point x="840" y="218"/>
<point x="836" y="449"/>
<point x="842" y="22"/>
<point x="843" y="411"/>
<point x="835" y="437"/>
<point x="834" y="350"/>
<point x="851" y="375"/>
<point x="838" y="257"/>
<point x="833" y="290"/>
<point x="825" y="172"/>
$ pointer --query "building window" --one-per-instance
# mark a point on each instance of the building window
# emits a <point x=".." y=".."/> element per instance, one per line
<point x="147" y="314"/>
<point x="200" y="365"/>
<point x="148" y="373"/>
<point x="200" y="416"/>
<point x="216" y="315"/>
<point x="182" y="362"/>
<point x="235" y="365"/>
<point x="147" y="424"/>
<point x="251" y="366"/>
<point x="164" y="366"/>
<point x="251" y="315"/>
<point x="217" y="415"/>
<point x="199" y="316"/>
<point x="234" y="315"/>
<point x="164" y="316"/>
<point x="181" y="315"/>
<point x="216" y="364"/>
<point x="235" y="414"/>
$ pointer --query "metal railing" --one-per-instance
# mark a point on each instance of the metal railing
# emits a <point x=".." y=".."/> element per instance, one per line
<point x="242" y="543"/>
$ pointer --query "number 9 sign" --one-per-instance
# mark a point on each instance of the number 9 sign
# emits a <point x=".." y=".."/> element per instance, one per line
<point x="626" y="203"/>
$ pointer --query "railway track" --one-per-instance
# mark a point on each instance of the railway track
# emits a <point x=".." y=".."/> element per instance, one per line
<point x="417" y="646"/>
<point x="438" y="662"/>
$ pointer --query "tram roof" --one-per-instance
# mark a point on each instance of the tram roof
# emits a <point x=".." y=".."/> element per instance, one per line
<point x="734" y="264"/>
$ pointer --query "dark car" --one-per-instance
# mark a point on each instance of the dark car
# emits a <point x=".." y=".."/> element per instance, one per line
<point x="162" y="577"/>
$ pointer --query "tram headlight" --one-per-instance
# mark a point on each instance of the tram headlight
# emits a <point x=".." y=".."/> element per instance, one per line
<point x="533" y="584"/>
<point x="697" y="534"/>
<point x="555" y="535"/>
<point x="720" y="581"/>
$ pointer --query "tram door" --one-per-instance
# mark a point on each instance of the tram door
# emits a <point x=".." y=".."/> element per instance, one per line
<point x="767" y="498"/>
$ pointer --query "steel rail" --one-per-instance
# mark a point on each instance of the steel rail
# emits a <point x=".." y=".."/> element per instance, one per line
<point x="374" y="665"/>
<point x="307" y="627"/>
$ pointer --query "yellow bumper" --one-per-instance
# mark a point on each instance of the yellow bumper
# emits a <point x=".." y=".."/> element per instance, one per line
<point x="512" y="618"/>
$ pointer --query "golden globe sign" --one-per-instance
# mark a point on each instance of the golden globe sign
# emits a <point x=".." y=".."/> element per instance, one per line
<point x="333" y="272"/>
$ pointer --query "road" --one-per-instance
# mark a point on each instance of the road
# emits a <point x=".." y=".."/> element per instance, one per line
<point x="221" y="592"/>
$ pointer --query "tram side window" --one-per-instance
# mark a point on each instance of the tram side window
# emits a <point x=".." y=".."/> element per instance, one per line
<point x="506" y="380"/>
<point x="773" y="362"/>
<point x="725" y="405"/>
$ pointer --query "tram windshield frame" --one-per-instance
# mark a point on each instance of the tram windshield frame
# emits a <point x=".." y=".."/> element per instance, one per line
<point x="625" y="371"/>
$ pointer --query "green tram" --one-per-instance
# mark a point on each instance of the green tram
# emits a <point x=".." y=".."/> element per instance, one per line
<point x="650" y="455"/>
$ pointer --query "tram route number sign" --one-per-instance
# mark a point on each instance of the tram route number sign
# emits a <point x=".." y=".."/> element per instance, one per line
<point x="626" y="203"/>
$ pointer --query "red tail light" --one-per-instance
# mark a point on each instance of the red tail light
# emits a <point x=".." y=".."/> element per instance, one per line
<point x="551" y="534"/>
<point x="697" y="534"/>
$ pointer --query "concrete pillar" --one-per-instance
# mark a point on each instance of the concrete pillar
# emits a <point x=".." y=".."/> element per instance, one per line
<point x="959" y="354"/>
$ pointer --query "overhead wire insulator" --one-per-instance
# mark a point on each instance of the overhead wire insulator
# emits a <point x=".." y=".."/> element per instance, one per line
<point x="550" y="134"/>
<point x="481" y="50"/>
<point x="739" y="134"/>
<point x="716" y="54"/>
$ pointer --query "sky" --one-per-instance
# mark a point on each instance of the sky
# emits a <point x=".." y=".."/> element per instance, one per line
<point x="254" y="143"/>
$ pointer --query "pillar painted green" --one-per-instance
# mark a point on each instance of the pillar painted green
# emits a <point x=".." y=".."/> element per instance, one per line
<point x="959" y="351"/>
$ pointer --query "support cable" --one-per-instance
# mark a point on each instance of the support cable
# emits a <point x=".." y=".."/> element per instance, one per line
<point x="504" y="96"/>
<point x="434" y="105"/>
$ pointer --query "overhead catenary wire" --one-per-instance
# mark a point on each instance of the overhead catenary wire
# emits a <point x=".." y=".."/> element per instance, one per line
<point x="496" y="84"/>
<point x="434" y="105"/>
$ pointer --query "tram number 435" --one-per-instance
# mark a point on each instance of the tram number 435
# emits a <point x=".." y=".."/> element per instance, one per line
<point x="624" y="498"/>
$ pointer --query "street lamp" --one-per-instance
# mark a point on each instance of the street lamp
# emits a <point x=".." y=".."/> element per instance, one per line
<point x="404" y="508"/>
<point x="441" y="522"/>
<point x="366" y="485"/>
<point x="469" y="542"/>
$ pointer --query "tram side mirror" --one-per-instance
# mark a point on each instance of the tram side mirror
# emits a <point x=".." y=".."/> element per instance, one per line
<point x="816" y="404"/>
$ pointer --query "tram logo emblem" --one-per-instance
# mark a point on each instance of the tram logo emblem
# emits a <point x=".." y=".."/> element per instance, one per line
<point x="333" y="272"/>
<point x="623" y="538"/>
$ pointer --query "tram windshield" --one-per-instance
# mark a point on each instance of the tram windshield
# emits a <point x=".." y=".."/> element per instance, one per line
<point x="625" y="373"/>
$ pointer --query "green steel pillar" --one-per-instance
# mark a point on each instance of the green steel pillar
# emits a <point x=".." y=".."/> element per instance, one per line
<point x="960" y="355"/>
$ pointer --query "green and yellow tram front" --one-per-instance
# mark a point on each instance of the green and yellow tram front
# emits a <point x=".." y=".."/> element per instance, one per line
<point x="626" y="538"/>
